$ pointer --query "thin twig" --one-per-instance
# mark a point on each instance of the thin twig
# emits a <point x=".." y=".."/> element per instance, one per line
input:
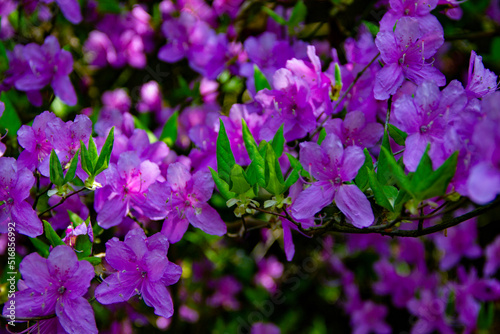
<point x="62" y="201"/>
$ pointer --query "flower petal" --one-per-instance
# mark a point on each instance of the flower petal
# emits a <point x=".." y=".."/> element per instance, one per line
<point x="354" y="204"/>
<point x="313" y="199"/>
<point x="76" y="316"/>
<point x="155" y="294"/>
<point x="207" y="219"/>
<point x="119" y="287"/>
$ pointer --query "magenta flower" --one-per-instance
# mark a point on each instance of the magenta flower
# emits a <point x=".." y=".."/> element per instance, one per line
<point x="369" y="318"/>
<point x="355" y="130"/>
<point x="57" y="285"/>
<point x="15" y="186"/>
<point x="480" y="81"/>
<point x="48" y="64"/>
<point x="142" y="269"/>
<point x="129" y="186"/>
<point x="331" y="165"/>
<point x="418" y="9"/>
<point x="187" y="203"/>
<point x="404" y="53"/>
<point x="430" y="310"/>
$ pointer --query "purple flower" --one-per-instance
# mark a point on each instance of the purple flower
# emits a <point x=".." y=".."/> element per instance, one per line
<point x="15" y="186"/>
<point x="150" y="97"/>
<point x="492" y="257"/>
<point x="369" y="318"/>
<point x="36" y="144"/>
<point x="129" y="185"/>
<point x="57" y="285"/>
<point x="480" y="81"/>
<point x="404" y="53"/>
<point x="400" y="287"/>
<point x="188" y="195"/>
<point x="425" y="119"/>
<point x="418" y="9"/>
<point x="48" y="64"/>
<point x="263" y="328"/>
<point x="459" y="242"/>
<point x="288" y="104"/>
<point x="354" y="130"/>
<point x="331" y="165"/>
<point x="270" y="269"/>
<point x="430" y="309"/>
<point x="226" y="288"/>
<point x="142" y="269"/>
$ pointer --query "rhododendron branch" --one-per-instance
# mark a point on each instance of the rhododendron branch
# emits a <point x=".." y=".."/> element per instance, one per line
<point x="61" y="201"/>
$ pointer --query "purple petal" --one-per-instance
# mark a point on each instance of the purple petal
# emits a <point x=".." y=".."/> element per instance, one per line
<point x="177" y="176"/>
<point x="35" y="272"/>
<point x="30" y="303"/>
<point x="386" y="43"/>
<point x="155" y="294"/>
<point x="483" y="183"/>
<point x="62" y="262"/>
<point x="119" y="255"/>
<point x="63" y="89"/>
<point x="353" y="159"/>
<point x="407" y="31"/>
<point x="119" y="287"/>
<point x="354" y="204"/>
<point x="405" y="114"/>
<point x="203" y="185"/>
<point x="25" y="180"/>
<point x="71" y="10"/>
<point x="80" y="282"/>
<point x="387" y="81"/>
<point x="287" y="239"/>
<point x="136" y="241"/>
<point x="174" y="227"/>
<point x="76" y="315"/>
<point x="172" y="274"/>
<point x="112" y="212"/>
<point x="207" y="219"/>
<point x="156" y="263"/>
<point x="26" y="219"/>
<point x="313" y="199"/>
<point x="158" y="242"/>
<point x="415" y="148"/>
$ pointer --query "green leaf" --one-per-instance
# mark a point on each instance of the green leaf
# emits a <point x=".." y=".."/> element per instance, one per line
<point x="54" y="238"/>
<point x="274" y="184"/>
<point x="83" y="246"/>
<point x="70" y="173"/>
<point x="362" y="176"/>
<point x="486" y="316"/>
<point x="222" y="186"/>
<point x="85" y="159"/>
<point x="427" y="183"/>
<point x="278" y="142"/>
<point x="256" y="169"/>
<point x="322" y="136"/>
<point x="260" y="79"/>
<point x="169" y="132"/>
<point x="384" y="174"/>
<point x="225" y="157"/>
<point x="107" y="148"/>
<point x="299" y="13"/>
<point x="373" y="28"/>
<point x="9" y="120"/>
<point x="75" y="218"/>
<point x="41" y="247"/>
<point x="398" y="135"/>
<point x="239" y="183"/>
<point x="296" y="165"/>
<point x="93" y="260"/>
<point x="92" y="153"/>
<point x="274" y="16"/>
<point x="109" y="6"/>
<point x="292" y="178"/>
<point x="249" y="141"/>
<point x="56" y="171"/>
<point x="378" y="191"/>
<point x="396" y="170"/>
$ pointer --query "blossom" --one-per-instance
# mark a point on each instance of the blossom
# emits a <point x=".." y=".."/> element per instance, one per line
<point x="369" y="318"/>
<point x="57" y="284"/>
<point x="331" y="165"/>
<point x="142" y="269"/>
<point x="430" y="310"/>
<point x="15" y="186"/>
<point x="404" y="53"/>
<point x="480" y="81"/>
<point x="492" y="257"/>
<point x="355" y="130"/>
<point x="187" y="199"/>
<point x="418" y="9"/>
<point x="48" y="64"/>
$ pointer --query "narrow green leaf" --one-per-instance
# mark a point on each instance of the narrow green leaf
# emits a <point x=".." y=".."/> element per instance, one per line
<point x="260" y="79"/>
<point x="169" y="132"/>
<point x="378" y="191"/>
<point x="222" y="186"/>
<point x="225" y="157"/>
<point x="362" y="176"/>
<point x="396" y="170"/>
<point x="54" y="238"/>
<point x="92" y="149"/>
<point x="239" y="183"/>
<point x="41" y="247"/>
<point x="292" y="178"/>
<point x="278" y="142"/>
<point x="75" y="218"/>
<point x="70" y="173"/>
<point x="296" y="165"/>
<point x="249" y="141"/>
<point x="9" y="120"/>
<point x="280" y="20"/>
<point x="85" y="159"/>
<point x="109" y="6"/>
<point x="56" y="171"/>
<point x="486" y="316"/>
<point x="107" y="148"/>
<point x="322" y="136"/>
<point x="384" y="174"/>
<point x="398" y="135"/>
<point x="274" y="184"/>
<point x="256" y="172"/>
<point x="299" y="13"/>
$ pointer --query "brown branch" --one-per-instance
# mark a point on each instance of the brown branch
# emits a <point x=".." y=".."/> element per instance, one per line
<point x="62" y="201"/>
